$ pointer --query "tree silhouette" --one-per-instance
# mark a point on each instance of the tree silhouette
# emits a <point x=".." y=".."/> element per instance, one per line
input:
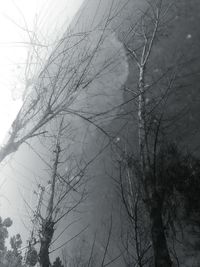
<point x="9" y="257"/>
<point x="57" y="263"/>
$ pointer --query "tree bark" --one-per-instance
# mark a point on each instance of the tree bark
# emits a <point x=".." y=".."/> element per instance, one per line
<point x="47" y="234"/>
<point x="161" y="252"/>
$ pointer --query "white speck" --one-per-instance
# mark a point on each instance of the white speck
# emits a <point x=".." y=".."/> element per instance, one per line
<point x="117" y="139"/>
<point x="189" y="36"/>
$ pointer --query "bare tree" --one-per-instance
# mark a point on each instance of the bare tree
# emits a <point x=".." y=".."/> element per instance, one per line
<point x="67" y="191"/>
<point x="135" y="235"/>
<point x="142" y="182"/>
<point x="53" y="84"/>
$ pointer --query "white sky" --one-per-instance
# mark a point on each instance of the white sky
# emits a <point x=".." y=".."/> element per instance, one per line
<point x="52" y="18"/>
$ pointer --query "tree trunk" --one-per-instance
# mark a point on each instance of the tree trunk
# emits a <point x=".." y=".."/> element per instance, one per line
<point x="44" y="255"/>
<point x="48" y="225"/>
<point x="47" y="234"/>
<point x="161" y="252"/>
